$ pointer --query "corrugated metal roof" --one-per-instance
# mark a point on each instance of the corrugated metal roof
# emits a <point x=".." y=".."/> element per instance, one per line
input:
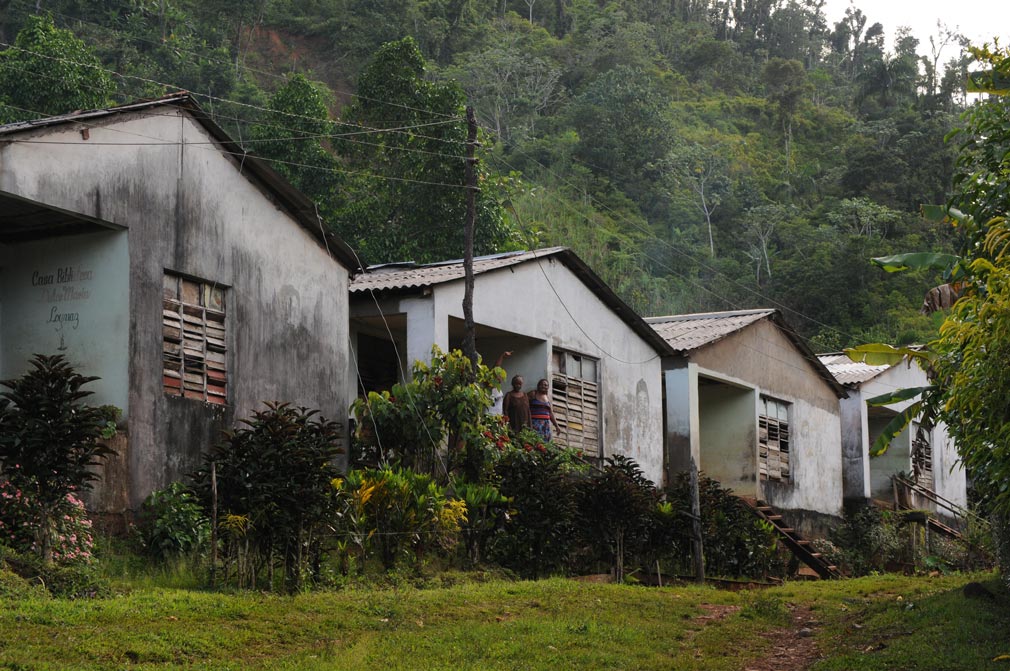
<point x="391" y="276"/>
<point x="408" y="277"/>
<point x="848" y="371"/>
<point x="689" y="332"/>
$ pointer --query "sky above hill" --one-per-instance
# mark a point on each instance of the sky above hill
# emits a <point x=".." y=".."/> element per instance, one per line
<point x="979" y="20"/>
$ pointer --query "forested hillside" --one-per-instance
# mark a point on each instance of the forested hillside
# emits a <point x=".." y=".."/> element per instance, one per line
<point x="699" y="154"/>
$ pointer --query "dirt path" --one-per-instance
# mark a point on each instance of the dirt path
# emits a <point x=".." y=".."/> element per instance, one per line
<point x="795" y="648"/>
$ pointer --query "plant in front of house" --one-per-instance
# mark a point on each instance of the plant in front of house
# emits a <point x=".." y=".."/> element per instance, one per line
<point x="615" y="507"/>
<point x="49" y="443"/>
<point x="172" y="523"/>
<point x="398" y="514"/>
<point x="274" y="492"/>
<point x="72" y="539"/>
<point x="736" y="543"/>
<point x="868" y="540"/>
<point x="486" y="513"/>
<point x="539" y="536"/>
<point x="445" y="400"/>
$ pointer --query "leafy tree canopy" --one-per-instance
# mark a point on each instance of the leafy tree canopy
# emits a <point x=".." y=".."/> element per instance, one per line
<point x="49" y="71"/>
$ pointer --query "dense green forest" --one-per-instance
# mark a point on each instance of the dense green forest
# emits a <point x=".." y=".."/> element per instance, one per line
<point x="699" y="154"/>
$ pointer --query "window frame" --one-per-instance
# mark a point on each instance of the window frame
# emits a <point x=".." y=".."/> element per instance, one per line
<point x="775" y="462"/>
<point x="586" y="404"/>
<point x="194" y="349"/>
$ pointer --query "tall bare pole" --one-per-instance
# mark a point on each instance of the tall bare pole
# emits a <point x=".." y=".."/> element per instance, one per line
<point x="697" y="546"/>
<point x="470" y="337"/>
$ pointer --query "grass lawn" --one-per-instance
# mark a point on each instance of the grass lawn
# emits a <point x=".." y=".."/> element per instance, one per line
<point x="551" y="624"/>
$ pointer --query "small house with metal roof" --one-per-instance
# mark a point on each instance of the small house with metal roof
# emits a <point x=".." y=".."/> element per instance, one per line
<point x="922" y="456"/>
<point x="558" y="318"/>
<point x="150" y="250"/>
<point x="755" y="409"/>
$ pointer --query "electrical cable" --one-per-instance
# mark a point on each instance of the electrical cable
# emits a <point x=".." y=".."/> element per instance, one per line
<point x="137" y="38"/>
<point x="210" y="96"/>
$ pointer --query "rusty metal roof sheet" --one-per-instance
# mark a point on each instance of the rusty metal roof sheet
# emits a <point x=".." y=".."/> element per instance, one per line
<point x="412" y="277"/>
<point x="689" y="332"/>
<point x="686" y="333"/>
<point x="409" y="275"/>
<point x="850" y="372"/>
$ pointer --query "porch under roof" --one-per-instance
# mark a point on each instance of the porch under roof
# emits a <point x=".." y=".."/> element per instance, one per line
<point x="22" y="221"/>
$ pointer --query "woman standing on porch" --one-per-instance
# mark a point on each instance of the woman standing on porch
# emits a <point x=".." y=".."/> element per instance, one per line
<point x="541" y="414"/>
<point x="516" y="406"/>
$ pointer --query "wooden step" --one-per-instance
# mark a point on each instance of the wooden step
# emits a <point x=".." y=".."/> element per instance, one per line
<point x="773" y="517"/>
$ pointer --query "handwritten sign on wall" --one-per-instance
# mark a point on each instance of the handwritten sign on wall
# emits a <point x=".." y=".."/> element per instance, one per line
<point x="63" y="289"/>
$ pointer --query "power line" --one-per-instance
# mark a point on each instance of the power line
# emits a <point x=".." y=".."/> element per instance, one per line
<point x="213" y="97"/>
<point x="684" y="254"/>
<point x="138" y="38"/>
<point x="341" y="137"/>
<point x="159" y="142"/>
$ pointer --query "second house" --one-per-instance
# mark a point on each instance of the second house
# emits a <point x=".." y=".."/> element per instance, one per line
<point x="561" y="322"/>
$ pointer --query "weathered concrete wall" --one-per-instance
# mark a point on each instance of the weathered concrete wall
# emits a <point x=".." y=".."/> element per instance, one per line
<point x="897" y="459"/>
<point x="69" y="295"/>
<point x="189" y="210"/>
<point x="948" y="470"/>
<point x="763" y="357"/>
<point x="729" y="435"/>
<point x="682" y="440"/>
<point x="855" y="464"/>
<point x="518" y="299"/>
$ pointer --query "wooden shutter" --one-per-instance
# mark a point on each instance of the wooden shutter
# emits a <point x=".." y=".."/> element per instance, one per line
<point x="193" y="340"/>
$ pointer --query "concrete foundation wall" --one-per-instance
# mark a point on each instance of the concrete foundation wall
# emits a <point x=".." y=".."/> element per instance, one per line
<point x="190" y="210"/>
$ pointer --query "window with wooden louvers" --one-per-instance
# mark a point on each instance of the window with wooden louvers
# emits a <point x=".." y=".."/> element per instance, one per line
<point x="193" y="340"/>
<point x="922" y="457"/>
<point x="773" y="440"/>
<point x="575" y="400"/>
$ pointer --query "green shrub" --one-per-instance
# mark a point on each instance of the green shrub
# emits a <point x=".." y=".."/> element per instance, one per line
<point x="398" y="514"/>
<point x="736" y="543"/>
<point x="445" y="400"/>
<point x="615" y="508"/>
<point x="67" y="581"/>
<point x="868" y="540"/>
<point x="486" y="512"/>
<point x="275" y="496"/>
<point x="172" y="523"/>
<point x="49" y="442"/>
<point x="539" y="536"/>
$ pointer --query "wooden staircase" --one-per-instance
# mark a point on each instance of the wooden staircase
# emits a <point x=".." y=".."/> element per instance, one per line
<point x="792" y="540"/>
<point x="961" y="515"/>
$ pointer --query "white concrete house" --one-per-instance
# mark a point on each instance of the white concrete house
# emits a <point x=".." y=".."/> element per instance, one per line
<point x="927" y="457"/>
<point x="558" y="318"/>
<point x="150" y="250"/>
<point x="755" y="409"/>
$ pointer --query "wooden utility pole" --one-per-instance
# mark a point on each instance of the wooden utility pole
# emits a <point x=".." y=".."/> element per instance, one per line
<point x="213" y="524"/>
<point x="470" y="337"/>
<point x="697" y="549"/>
